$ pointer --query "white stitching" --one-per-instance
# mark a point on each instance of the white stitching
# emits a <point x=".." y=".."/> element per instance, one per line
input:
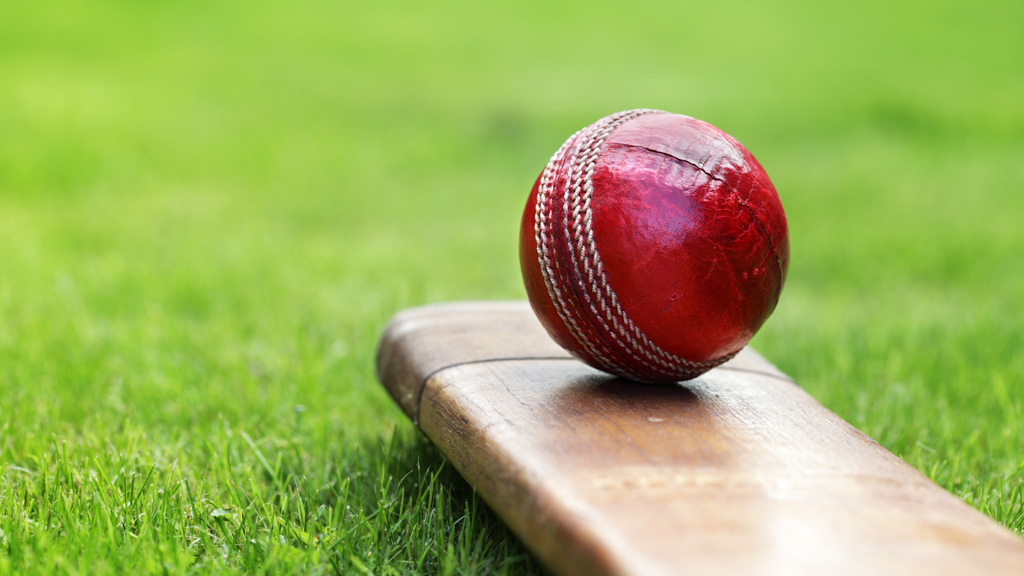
<point x="578" y="192"/>
<point x="542" y="237"/>
<point x="629" y="329"/>
<point x="582" y="173"/>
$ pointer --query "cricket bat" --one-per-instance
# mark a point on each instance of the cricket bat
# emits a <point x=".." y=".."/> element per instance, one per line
<point x="738" y="471"/>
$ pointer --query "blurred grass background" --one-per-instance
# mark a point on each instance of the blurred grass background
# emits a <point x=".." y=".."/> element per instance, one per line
<point x="208" y="211"/>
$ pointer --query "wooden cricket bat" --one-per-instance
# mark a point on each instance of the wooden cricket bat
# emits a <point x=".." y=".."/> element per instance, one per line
<point x="736" y="472"/>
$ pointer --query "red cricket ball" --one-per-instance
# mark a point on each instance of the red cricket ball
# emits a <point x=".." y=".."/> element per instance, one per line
<point x="653" y="246"/>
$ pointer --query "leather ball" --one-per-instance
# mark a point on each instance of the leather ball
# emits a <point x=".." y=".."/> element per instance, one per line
<point x="653" y="246"/>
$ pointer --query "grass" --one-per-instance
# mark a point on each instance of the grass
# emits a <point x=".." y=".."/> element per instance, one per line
<point x="209" y="211"/>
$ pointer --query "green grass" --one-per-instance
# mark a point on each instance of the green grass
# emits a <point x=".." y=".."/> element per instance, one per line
<point x="208" y="211"/>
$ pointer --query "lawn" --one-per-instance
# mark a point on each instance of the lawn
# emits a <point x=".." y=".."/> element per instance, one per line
<point x="208" y="212"/>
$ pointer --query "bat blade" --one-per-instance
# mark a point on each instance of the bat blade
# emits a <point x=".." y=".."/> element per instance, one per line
<point x="736" y="472"/>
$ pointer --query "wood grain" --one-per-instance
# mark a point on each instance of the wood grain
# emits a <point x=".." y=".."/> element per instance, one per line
<point x="737" y="472"/>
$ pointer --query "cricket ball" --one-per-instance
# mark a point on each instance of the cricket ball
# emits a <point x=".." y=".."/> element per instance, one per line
<point x="653" y="246"/>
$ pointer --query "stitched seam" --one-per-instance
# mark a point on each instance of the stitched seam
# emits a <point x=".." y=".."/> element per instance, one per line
<point x="571" y="198"/>
<point x="582" y="190"/>
<point x="542" y="231"/>
<point x="618" y="317"/>
<point x="576" y="198"/>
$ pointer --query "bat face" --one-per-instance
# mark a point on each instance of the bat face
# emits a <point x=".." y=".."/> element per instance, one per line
<point x="738" y="471"/>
